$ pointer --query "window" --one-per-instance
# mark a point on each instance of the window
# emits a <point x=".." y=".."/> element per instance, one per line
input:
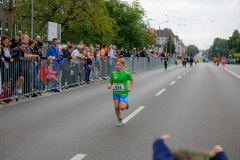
<point x="0" y="26"/>
<point x="20" y="30"/>
<point x="6" y="25"/>
<point x="6" y="29"/>
<point x="1" y="1"/>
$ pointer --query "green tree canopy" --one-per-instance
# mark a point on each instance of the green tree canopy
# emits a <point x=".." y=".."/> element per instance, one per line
<point x="170" y="44"/>
<point x="192" y="49"/>
<point x="234" y="42"/>
<point x="220" y="47"/>
<point x="129" y="19"/>
<point x="79" y="19"/>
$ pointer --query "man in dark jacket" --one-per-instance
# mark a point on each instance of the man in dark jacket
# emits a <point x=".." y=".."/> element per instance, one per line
<point x="143" y="52"/>
<point x="15" y="41"/>
<point x="17" y="54"/>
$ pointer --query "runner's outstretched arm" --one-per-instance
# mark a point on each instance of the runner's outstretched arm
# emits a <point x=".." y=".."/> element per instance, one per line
<point x="130" y="86"/>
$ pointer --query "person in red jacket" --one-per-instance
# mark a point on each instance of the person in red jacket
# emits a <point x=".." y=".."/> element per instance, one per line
<point x="118" y="54"/>
<point x="218" y="60"/>
<point x="214" y="60"/>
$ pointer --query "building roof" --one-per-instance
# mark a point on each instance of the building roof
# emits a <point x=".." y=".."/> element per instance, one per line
<point x="166" y="32"/>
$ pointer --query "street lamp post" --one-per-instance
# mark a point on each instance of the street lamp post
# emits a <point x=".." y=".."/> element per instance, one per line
<point x="32" y="22"/>
<point x="159" y="33"/>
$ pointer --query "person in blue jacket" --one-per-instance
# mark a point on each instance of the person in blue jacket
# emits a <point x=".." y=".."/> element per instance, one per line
<point x="162" y="152"/>
<point x="53" y="50"/>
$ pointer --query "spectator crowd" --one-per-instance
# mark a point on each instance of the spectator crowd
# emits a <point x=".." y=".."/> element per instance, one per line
<point x="26" y="69"/>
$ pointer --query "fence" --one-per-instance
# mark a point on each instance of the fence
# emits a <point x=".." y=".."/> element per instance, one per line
<point x="33" y="77"/>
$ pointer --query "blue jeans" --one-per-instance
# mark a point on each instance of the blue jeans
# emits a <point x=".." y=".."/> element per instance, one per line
<point x="86" y="73"/>
<point x="97" y="60"/>
<point x="50" y="82"/>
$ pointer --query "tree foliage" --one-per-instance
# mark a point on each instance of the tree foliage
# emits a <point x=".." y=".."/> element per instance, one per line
<point x="192" y="49"/>
<point x="234" y="42"/>
<point x="220" y="47"/>
<point x="82" y="18"/>
<point x="129" y="19"/>
<point x="169" y="43"/>
<point x="93" y="21"/>
<point x="226" y="47"/>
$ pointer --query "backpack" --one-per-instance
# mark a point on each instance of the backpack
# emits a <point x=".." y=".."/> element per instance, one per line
<point x="6" y="96"/>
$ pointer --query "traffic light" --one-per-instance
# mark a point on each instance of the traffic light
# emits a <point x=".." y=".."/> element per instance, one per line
<point x="216" y="48"/>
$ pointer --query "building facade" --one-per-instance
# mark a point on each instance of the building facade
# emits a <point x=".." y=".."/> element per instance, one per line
<point x="163" y="35"/>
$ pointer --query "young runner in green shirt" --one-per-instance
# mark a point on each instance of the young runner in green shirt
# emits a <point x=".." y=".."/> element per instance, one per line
<point x="119" y="81"/>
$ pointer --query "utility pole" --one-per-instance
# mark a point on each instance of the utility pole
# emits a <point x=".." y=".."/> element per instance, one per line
<point x="160" y="34"/>
<point x="166" y="45"/>
<point x="10" y="19"/>
<point x="32" y="22"/>
<point x="186" y="50"/>
<point x="170" y="43"/>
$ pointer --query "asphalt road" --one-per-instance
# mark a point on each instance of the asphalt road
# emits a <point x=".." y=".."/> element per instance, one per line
<point x="199" y="110"/>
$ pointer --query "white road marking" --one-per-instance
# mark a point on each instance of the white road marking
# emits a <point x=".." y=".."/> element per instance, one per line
<point x="233" y="73"/>
<point x="133" y="114"/>
<point x="160" y="92"/>
<point x="172" y="83"/>
<point x="184" y="73"/>
<point x="179" y="77"/>
<point x="78" y="157"/>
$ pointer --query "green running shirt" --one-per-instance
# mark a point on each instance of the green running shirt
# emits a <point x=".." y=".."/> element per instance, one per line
<point x="120" y="82"/>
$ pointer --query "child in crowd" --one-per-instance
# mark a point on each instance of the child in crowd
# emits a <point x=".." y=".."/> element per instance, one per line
<point x="119" y="81"/>
<point x="61" y="62"/>
<point x="51" y="76"/>
<point x="84" y="62"/>
<point x="89" y="62"/>
<point x="118" y="54"/>
<point x="162" y="152"/>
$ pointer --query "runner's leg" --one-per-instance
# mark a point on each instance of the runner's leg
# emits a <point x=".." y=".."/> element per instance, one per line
<point x="117" y="109"/>
<point x="122" y="105"/>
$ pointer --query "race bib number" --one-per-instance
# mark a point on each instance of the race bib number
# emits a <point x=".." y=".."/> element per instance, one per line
<point x="118" y="86"/>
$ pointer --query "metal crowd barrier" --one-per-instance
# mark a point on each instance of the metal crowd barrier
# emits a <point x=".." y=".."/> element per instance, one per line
<point x="32" y="77"/>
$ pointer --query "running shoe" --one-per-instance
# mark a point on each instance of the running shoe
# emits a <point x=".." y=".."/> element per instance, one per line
<point x="127" y="105"/>
<point x="119" y="123"/>
<point x="57" y="90"/>
<point x="16" y="94"/>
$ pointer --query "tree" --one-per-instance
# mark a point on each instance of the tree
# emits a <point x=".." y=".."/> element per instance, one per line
<point x="79" y="19"/>
<point x="220" y="47"/>
<point x="192" y="49"/>
<point x="205" y="53"/>
<point x="129" y="19"/>
<point x="150" y="39"/>
<point x="234" y="42"/>
<point x="10" y="19"/>
<point x="169" y="43"/>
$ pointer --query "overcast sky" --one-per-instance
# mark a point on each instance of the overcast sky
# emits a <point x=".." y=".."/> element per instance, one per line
<point x="201" y="21"/>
